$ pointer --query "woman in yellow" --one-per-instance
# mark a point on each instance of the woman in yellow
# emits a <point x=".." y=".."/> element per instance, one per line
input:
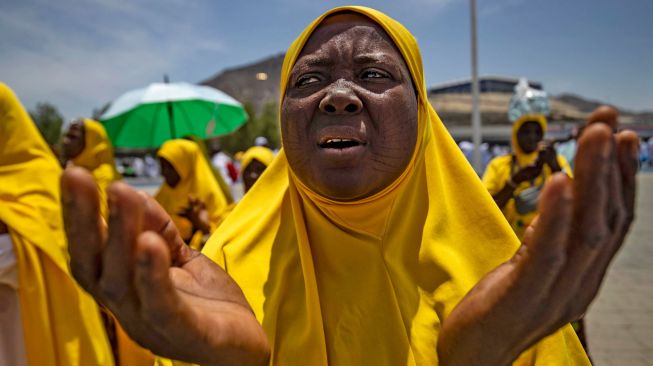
<point x="369" y="239"/>
<point x="87" y="145"/>
<point x="60" y="323"/>
<point x="190" y="192"/>
<point x="253" y="163"/>
<point x="516" y="180"/>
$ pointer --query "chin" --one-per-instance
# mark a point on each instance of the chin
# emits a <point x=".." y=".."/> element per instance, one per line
<point x="342" y="185"/>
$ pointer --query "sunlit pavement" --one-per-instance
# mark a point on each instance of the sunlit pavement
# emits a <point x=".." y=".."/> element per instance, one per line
<point x="620" y="321"/>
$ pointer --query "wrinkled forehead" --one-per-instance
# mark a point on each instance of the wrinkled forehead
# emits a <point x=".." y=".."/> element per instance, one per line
<point x="345" y="29"/>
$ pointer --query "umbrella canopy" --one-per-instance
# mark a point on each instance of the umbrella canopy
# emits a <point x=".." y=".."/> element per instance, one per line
<point x="145" y="118"/>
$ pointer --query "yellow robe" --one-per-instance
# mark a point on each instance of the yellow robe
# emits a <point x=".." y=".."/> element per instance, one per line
<point x="97" y="157"/>
<point x="370" y="282"/>
<point x="196" y="180"/>
<point x="499" y="171"/>
<point x="61" y="323"/>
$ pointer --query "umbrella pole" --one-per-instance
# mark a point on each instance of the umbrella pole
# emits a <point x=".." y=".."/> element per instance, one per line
<point x="171" y="116"/>
<point x="171" y="119"/>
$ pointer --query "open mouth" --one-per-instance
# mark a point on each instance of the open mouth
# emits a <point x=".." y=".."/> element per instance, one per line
<point x="339" y="143"/>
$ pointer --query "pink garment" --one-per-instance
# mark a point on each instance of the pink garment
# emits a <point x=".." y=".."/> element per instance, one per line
<point x="12" y="344"/>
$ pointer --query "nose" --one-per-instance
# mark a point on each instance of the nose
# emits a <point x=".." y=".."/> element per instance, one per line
<point x="340" y="99"/>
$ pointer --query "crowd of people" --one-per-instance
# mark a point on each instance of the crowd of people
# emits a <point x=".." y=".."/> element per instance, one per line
<point x="367" y="239"/>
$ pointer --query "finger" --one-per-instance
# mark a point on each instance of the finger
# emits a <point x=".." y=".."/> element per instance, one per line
<point x="625" y="167"/>
<point x="590" y="234"/>
<point x="592" y="177"/>
<point x="157" y="219"/>
<point x="619" y="226"/>
<point x="547" y="245"/>
<point x="155" y="291"/>
<point x="628" y="158"/>
<point x="125" y="224"/>
<point x="81" y="213"/>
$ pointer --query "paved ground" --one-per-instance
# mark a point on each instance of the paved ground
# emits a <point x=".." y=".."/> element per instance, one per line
<point x="620" y="321"/>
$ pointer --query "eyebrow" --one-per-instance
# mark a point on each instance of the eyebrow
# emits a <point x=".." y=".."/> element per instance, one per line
<point x="315" y="61"/>
<point x="373" y="58"/>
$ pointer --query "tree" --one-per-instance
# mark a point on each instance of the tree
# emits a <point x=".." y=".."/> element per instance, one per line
<point x="265" y="124"/>
<point x="49" y="122"/>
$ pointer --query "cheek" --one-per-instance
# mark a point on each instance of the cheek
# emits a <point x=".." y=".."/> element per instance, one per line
<point x="295" y="121"/>
<point x="295" y="135"/>
<point x="398" y="123"/>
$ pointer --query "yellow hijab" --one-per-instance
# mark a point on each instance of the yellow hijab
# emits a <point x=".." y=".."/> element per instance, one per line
<point x="500" y="169"/>
<point x="97" y="157"/>
<point x="523" y="158"/>
<point x="61" y="322"/>
<point x="369" y="282"/>
<point x="260" y="153"/>
<point x="197" y="180"/>
<point x="224" y="186"/>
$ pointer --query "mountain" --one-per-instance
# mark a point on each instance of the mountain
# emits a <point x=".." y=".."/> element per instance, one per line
<point x="256" y="83"/>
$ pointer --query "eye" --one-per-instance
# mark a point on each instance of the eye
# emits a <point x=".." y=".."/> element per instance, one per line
<point x="306" y="80"/>
<point x="374" y="74"/>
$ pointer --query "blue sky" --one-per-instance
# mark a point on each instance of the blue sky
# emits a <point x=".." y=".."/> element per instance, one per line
<point x="79" y="54"/>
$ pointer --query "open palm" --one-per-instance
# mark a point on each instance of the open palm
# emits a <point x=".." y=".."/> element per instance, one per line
<point x="168" y="297"/>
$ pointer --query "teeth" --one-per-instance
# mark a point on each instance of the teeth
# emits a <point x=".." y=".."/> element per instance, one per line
<point x="337" y="140"/>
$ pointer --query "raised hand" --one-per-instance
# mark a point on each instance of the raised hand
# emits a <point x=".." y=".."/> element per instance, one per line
<point x="169" y="298"/>
<point x="528" y="172"/>
<point x="549" y="156"/>
<point x="559" y="268"/>
<point x="197" y="214"/>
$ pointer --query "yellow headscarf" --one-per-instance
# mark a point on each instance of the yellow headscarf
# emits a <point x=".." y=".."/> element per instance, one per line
<point x="260" y="153"/>
<point x="500" y="169"/>
<point x="97" y="157"/>
<point x="524" y="158"/>
<point x="369" y="282"/>
<point x="224" y="187"/>
<point x="197" y="180"/>
<point x="61" y="322"/>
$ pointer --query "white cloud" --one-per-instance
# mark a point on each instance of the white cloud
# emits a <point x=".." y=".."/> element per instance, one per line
<point x="79" y="55"/>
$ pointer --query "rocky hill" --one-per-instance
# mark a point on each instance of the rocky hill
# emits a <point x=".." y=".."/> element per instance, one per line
<point x="256" y="83"/>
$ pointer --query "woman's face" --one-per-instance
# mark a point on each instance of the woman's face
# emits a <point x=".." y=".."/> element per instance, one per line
<point x="73" y="142"/>
<point x="529" y="135"/>
<point x="252" y="173"/>
<point x="349" y="115"/>
<point x="169" y="172"/>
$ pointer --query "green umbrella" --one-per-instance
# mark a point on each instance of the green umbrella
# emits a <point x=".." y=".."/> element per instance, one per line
<point x="146" y="118"/>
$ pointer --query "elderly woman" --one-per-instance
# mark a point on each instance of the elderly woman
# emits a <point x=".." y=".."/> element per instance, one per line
<point x="369" y="239"/>
<point x="45" y="318"/>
